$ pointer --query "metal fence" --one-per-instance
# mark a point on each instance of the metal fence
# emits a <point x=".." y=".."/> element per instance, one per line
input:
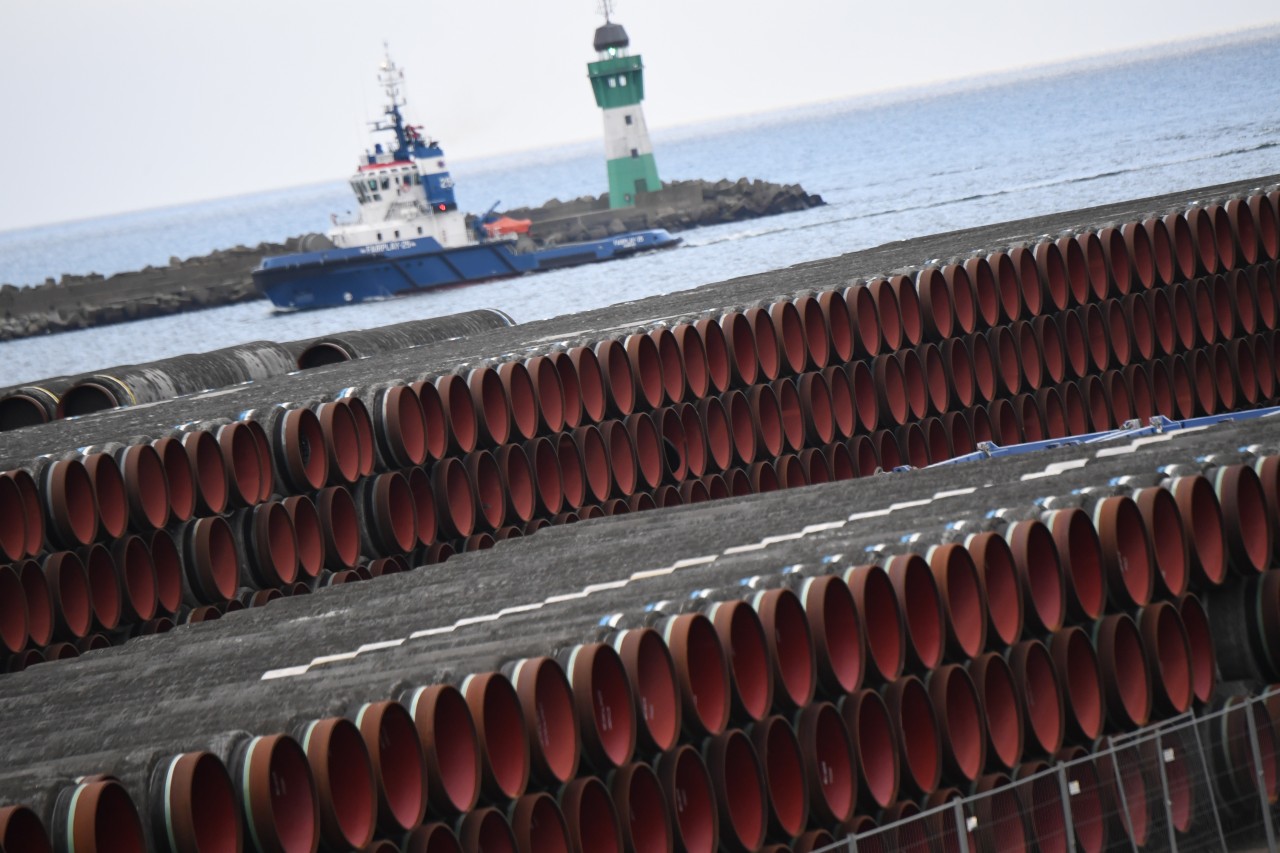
<point x="1193" y="782"/>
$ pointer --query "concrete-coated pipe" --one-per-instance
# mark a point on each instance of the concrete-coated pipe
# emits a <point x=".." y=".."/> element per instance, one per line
<point x="1053" y="272"/>
<point x="450" y="745"/>
<point x="914" y="383"/>
<point x="1040" y="574"/>
<point x="239" y="451"/>
<point x="139" y="588"/>
<point x="790" y="644"/>
<point x="880" y="613"/>
<point x="209" y="560"/>
<point x="1080" y="554"/>
<point x="97" y="813"/>
<point x="277" y="793"/>
<point x="652" y="674"/>
<point x="715" y="430"/>
<point x="1183" y="244"/>
<point x="266" y="545"/>
<point x="963" y="727"/>
<point x="1265" y="225"/>
<point x="702" y="673"/>
<point x="937" y="309"/>
<point x="691" y="799"/>
<point x="1168" y="651"/>
<point x="864" y="311"/>
<point x="767" y="343"/>
<point x="916" y="733"/>
<point x="22" y="829"/>
<point x="670" y="365"/>
<point x="1008" y="285"/>
<point x="1124" y="784"/>
<point x="1076" y="664"/>
<point x="342" y="440"/>
<point x="1245" y="518"/>
<point x="344" y="782"/>
<point x="888" y="313"/>
<point x="871" y="731"/>
<point x="1119" y="264"/>
<point x="830" y="768"/>
<point x="500" y="731"/>
<point x="838" y="325"/>
<point x="591" y="817"/>
<point x="740" y="344"/>
<point x="146" y="487"/>
<point x="603" y="696"/>
<point x="538" y="824"/>
<point x="994" y="681"/>
<point x="340" y="525"/>
<point x="647" y="376"/>
<point x="460" y="412"/>
<point x="1126" y="678"/>
<point x="986" y="291"/>
<point x="836" y="632"/>
<point x="70" y="503"/>
<point x="489" y="400"/>
<point x="1039" y="694"/>
<point x="69" y="589"/>
<point x="704" y="356"/>
<point x="643" y="816"/>
<point x="582" y="383"/>
<point x="1160" y="514"/>
<point x="791" y="412"/>
<point x="766" y="421"/>
<point x="792" y="337"/>
<point x="786" y="783"/>
<point x="1204" y="528"/>
<point x="1127" y="551"/>
<point x="388" y="515"/>
<point x="740" y="421"/>
<point x="922" y="607"/>
<point x="745" y="655"/>
<point x="400" y="427"/>
<point x="1238" y="773"/>
<point x="484" y="829"/>
<point x="1205" y="239"/>
<point x="32" y="510"/>
<point x="1223" y="238"/>
<point x="398" y="765"/>
<point x="1141" y="254"/>
<point x="964" y="600"/>
<point x="1162" y="250"/>
<point x="550" y="718"/>
<point x="1076" y="269"/>
<point x="904" y="290"/>
<point x="962" y="291"/>
<point x="738" y="782"/>
<point x="1204" y="665"/>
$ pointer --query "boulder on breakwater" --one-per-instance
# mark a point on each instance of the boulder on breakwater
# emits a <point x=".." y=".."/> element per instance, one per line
<point x="223" y="277"/>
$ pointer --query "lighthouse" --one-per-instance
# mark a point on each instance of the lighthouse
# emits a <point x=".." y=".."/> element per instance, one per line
<point x="617" y="78"/>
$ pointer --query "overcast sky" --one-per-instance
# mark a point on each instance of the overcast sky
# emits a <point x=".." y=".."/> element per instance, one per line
<point x="131" y="104"/>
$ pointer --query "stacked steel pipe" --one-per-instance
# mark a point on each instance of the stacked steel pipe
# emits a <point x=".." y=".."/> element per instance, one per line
<point x="819" y="702"/>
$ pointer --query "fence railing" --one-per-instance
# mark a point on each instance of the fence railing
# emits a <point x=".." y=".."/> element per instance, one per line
<point x="1197" y="782"/>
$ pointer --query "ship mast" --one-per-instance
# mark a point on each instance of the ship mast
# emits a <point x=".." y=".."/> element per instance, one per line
<point x="391" y="78"/>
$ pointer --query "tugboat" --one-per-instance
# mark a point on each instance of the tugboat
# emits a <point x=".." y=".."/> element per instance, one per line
<point x="409" y="235"/>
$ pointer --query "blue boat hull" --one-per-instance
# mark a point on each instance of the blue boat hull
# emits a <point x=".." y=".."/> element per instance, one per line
<point x="336" y="277"/>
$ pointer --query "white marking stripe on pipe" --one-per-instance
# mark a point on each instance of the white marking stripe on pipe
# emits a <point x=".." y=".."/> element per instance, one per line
<point x="602" y="587"/>
<point x="475" y="620"/>
<point x="1134" y="445"/>
<point x="652" y="573"/>
<point x="286" y="672"/>
<point x="955" y="493"/>
<point x="1053" y="469"/>
<point x="374" y="647"/>
<point x="323" y="659"/>
<point x="785" y="537"/>
<point x="875" y="513"/>
<point x="520" y="608"/>
<point x="909" y="504"/>
<point x="430" y="632"/>
<point x="742" y="549"/>
<point x="568" y="596"/>
<point x="690" y="562"/>
<point x="818" y="528"/>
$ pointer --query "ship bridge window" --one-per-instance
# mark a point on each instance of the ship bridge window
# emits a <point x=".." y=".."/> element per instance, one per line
<point x="386" y="183"/>
<point x="373" y="183"/>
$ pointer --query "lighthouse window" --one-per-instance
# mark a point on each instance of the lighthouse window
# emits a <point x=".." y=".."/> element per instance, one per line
<point x="613" y="82"/>
<point x="622" y="81"/>
<point x="628" y="118"/>
<point x="635" y="152"/>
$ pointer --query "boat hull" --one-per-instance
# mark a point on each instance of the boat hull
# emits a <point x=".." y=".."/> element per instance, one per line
<point x="335" y="277"/>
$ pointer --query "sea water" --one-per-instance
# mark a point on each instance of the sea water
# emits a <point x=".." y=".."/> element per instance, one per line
<point x="889" y="167"/>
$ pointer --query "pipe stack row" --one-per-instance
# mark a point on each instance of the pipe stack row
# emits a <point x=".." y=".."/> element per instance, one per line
<point x="801" y="708"/>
